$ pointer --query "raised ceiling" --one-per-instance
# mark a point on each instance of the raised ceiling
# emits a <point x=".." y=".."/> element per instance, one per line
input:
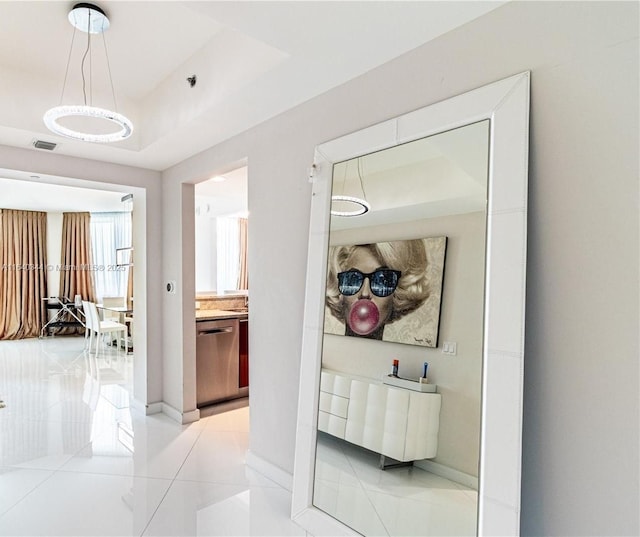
<point x="253" y="60"/>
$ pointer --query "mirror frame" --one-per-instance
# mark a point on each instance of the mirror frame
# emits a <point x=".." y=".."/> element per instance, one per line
<point x="506" y="104"/>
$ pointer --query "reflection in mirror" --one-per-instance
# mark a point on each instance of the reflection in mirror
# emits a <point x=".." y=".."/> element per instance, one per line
<point x="221" y="222"/>
<point x="398" y="445"/>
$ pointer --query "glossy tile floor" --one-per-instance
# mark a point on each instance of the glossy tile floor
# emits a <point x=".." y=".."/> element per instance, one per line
<point x="75" y="459"/>
<point x="399" y="501"/>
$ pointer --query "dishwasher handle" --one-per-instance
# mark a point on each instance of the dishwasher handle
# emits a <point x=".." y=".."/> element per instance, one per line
<point x="225" y="330"/>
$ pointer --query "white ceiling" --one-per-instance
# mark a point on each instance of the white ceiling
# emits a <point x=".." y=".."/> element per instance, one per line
<point x="253" y="60"/>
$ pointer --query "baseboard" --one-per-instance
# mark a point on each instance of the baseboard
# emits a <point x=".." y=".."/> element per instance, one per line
<point x="153" y="408"/>
<point x="448" y="473"/>
<point x="180" y="417"/>
<point x="270" y="470"/>
<point x="146" y="409"/>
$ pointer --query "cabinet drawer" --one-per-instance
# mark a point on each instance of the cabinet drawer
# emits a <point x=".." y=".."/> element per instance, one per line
<point x="336" y="384"/>
<point x="331" y="424"/>
<point x="334" y="404"/>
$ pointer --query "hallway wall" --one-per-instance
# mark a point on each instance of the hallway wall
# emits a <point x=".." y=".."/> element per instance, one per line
<point x="581" y="408"/>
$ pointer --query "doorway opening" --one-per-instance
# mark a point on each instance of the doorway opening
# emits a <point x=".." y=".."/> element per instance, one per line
<point x="222" y="292"/>
<point x="56" y="195"/>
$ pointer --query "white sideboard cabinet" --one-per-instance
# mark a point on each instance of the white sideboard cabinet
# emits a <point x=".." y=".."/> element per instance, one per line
<point x="395" y="422"/>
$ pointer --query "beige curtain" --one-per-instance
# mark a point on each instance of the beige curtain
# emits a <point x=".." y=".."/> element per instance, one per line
<point x="243" y="275"/>
<point x="23" y="273"/>
<point x="76" y="276"/>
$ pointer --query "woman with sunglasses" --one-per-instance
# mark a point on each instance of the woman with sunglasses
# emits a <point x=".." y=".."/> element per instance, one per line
<point x="372" y="285"/>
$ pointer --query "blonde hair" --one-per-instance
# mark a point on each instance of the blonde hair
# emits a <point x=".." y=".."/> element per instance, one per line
<point x="409" y="257"/>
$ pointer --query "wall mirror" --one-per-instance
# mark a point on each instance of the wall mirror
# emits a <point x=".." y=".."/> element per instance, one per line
<point x="381" y="455"/>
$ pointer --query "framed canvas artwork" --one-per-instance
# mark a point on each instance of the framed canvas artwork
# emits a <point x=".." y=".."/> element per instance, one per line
<point x="390" y="291"/>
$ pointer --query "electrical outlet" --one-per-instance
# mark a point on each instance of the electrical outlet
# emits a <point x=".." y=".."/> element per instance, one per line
<point x="450" y="348"/>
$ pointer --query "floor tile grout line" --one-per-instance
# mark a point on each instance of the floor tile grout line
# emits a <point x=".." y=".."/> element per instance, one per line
<point x="173" y="480"/>
<point x="166" y="492"/>
<point x="3" y="513"/>
<point x="364" y="489"/>
<point x="175" y="477"/>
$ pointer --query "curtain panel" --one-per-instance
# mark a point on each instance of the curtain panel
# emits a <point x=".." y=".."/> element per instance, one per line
<point x="23" y="273"/>
<point x="76" y="271"/>
<point x="243" y="274"/>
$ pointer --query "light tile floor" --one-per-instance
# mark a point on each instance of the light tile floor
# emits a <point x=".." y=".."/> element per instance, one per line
<point x="75" y="459"/>
<point x="409" y="501"/>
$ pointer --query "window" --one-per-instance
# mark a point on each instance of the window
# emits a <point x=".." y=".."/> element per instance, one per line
<point x="109" y="231"/>
<point x="228" y="250"/>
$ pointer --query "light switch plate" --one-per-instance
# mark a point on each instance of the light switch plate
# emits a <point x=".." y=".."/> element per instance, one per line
<point x="449" y="347"/>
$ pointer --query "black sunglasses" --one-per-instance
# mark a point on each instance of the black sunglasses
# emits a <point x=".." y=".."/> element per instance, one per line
<point x="382" y="282"/>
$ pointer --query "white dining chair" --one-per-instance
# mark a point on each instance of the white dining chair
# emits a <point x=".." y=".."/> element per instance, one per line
<point x="121" y="317"/>
<point x="101" y="328"/>
<point x="88" y="324"/>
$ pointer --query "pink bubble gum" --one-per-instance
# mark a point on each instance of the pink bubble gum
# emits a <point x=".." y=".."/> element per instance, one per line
<point x="364" y="317"/>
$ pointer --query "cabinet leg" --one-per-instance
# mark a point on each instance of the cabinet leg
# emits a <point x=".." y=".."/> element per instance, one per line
<point x="388" y="462"/>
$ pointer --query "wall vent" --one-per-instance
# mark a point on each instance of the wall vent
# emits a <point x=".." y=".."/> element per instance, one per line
<point x="41" y="144"/>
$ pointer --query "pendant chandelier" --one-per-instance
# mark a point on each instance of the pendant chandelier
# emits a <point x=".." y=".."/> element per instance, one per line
<point x="92" y="20"/>
<point x="347" y="206"/>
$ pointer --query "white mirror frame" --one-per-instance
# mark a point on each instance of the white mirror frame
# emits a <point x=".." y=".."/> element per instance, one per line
<point x="506" y="104"/>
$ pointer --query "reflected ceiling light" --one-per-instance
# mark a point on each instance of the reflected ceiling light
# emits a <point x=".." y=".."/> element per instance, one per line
<point x="355" y="206"/>
<point x="219" y="179"/>
<point x="360" y="206"/>
<point x="90" y="19"/>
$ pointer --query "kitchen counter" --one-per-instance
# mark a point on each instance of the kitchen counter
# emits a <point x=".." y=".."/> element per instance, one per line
<point x="214" y="315"/>
<point x="214" y="295"/>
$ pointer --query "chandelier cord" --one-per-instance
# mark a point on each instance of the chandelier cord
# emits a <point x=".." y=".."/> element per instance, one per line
<point x="66" y="72"/>
<point x="344" y="178"/>
<point x="361" y="182"/>
<point x="90" y="67"/>
<point x="84" y="91"/>
<point x="106" y="53"/>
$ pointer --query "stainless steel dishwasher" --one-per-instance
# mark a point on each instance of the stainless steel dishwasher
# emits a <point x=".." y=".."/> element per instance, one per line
<point x="217" y="366"/>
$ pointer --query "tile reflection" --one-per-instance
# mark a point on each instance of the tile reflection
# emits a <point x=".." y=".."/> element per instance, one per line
<point x="349" y="486"/>
<point x="73" y="451"/>
<point x="50" y="410"/>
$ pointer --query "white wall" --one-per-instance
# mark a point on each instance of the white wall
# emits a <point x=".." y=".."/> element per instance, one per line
<point x="458" y="377"/>
<point x="581" y="397"/>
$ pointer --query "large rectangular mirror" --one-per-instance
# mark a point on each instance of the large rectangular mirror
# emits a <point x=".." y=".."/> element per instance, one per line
<point x="431" y="275"/>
